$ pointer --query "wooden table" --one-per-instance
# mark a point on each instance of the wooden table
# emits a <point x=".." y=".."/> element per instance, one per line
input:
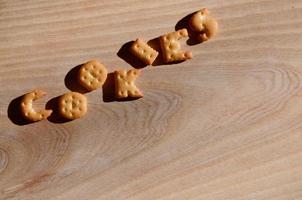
<point x="225" y="125"/>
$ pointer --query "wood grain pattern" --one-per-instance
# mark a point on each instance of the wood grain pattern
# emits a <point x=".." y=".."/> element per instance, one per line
<point x="225" y="125"/>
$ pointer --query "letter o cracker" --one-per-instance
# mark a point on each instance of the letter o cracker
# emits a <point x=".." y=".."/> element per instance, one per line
<point x="27" y="109"/>
<point x="72" y="105"/>
<point x="92" y="75"/>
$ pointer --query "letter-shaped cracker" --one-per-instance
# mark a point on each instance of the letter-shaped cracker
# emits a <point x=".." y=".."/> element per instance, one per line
<point x="171" y="48"/>
<point x="72" y="105"/>
<point x="204" y="25"/>
<point x="92" y="75"/>
<point x="27" y="109"/>
<point x="124" y="84"/>
<point x="143" y="51"/>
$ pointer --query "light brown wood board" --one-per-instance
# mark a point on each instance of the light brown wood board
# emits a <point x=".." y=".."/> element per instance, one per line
<point x="226" y="125"/>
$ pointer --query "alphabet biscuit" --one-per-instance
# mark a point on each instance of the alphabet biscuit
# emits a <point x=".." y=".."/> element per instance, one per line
<point x="143" y="51"/>
<point x="92" y="75"/>
<point x="171" y="48"/>
<point x="27" y="109"/>
<point x="125" y="84"/>
<point x="72" y="105"/>
<point x="204" y="25"/>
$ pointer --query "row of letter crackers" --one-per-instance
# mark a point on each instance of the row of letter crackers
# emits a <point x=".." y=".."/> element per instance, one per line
<point x="92" y="75"/>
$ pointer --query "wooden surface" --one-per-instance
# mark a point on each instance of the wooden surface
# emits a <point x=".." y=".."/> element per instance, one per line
<point x="225" y="125"/>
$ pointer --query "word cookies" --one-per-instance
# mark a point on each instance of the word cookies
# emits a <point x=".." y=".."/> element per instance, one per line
<point x="93" y="74"/>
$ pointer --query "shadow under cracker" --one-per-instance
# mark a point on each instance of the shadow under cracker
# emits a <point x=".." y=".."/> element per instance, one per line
<point x="55" y="117"/>
<point x="14" y="112"/>
<point x="71" y="81"/>
<point x="184" y="23"/>
<point x="109" y="90"/>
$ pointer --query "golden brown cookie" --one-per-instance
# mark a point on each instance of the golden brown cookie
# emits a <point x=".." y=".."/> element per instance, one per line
<point x="171" y="47"/>
<point x="204" y="25"/>
<point x="27" y="109"/>
<point x="92" y="75"/>
<point x="143" y="51"/>
<point x="125" y="84"/>
<point x="72" y="105"/>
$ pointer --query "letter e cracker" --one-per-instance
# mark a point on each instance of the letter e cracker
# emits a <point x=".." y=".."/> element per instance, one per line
<point x="171" y="48"/>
